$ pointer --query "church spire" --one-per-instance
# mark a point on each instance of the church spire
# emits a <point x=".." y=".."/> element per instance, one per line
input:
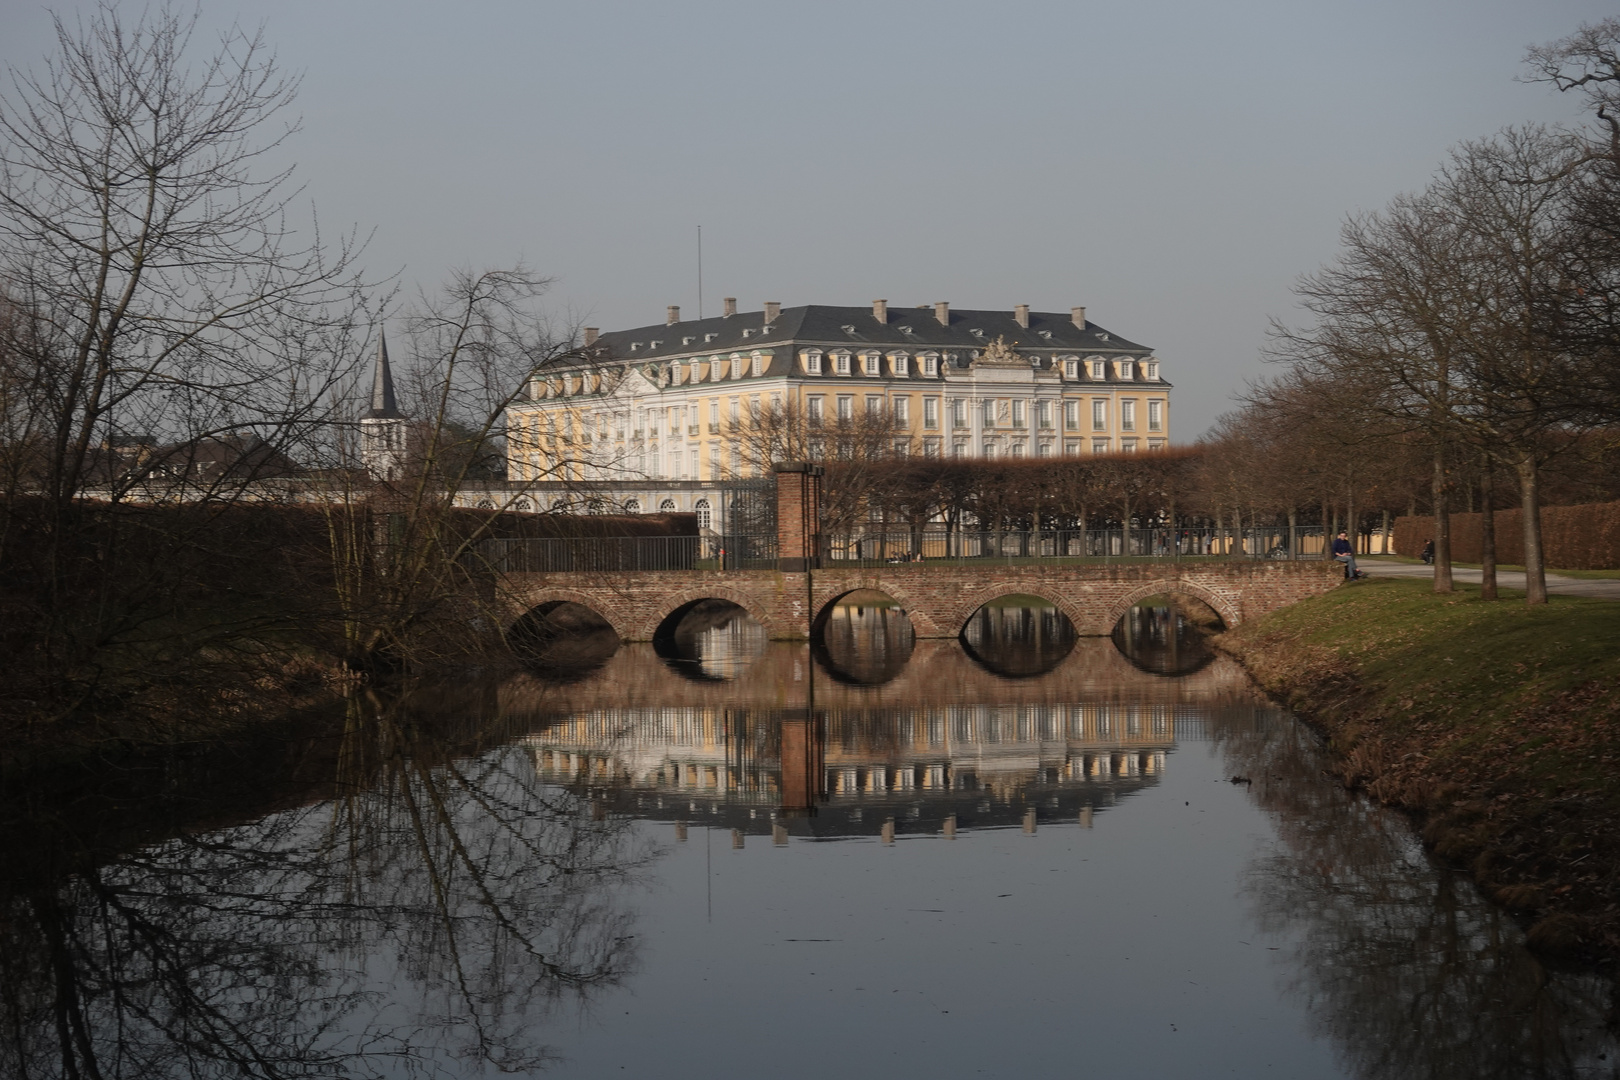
<point x="384" y="406"/>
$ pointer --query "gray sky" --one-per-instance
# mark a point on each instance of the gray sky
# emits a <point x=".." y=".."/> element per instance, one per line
<point x="1171" y="164"/>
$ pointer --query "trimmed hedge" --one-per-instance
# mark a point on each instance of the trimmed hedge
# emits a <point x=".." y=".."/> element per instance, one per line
<point x="1572" y="537"/>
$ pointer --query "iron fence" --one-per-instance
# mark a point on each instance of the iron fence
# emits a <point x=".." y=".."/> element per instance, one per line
<point x="874" y="547"/>
<point x="878" y="547"/>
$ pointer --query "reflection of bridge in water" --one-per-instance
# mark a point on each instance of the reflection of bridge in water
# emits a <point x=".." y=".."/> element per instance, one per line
<point x="787" y="751"/>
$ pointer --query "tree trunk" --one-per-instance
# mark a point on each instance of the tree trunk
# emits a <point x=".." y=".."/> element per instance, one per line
<point x="1293" y="532"/>
<point x="1535" y="567"/>
<point x="1487" y="531"/>
<point x="1442" y="524"/>
<point x="1383" y="548"/>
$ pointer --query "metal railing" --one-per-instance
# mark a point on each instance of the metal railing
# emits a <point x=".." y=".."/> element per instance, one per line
<point x="627" y="554"/>
<point x="873" y="547"/>
<point x="880" y="547"/>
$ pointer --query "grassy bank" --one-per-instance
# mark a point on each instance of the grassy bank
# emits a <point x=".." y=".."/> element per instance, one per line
<point x="1495" y="723"/>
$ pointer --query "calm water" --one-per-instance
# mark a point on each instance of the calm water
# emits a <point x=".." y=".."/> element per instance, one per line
<point x="1023" y="854"/>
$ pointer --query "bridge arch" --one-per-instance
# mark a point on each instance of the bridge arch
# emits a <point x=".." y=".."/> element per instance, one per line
<point x="1221" y="604"/>
<point x="975" y="599"/>
<point x="670" y="603"/>
<point x="541" y="601"/>
<point x="925" y="623"/>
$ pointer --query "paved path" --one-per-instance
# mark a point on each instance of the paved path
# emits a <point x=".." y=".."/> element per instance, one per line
<point x="1507" y="579"/>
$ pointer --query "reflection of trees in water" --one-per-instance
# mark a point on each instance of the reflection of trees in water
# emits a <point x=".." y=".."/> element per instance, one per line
<point x="1405" y="967"/>
<point x="438" y="911"/>
<point x="1160" y="639"/>
<point x="1017" y="640"/>
<point x="866" y="640"/>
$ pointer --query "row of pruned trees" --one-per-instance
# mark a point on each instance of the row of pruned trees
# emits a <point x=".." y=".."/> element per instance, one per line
<point x="1466" y="334"/>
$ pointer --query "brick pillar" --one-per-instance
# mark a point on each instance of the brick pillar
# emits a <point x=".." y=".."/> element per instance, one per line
<point x="798" y="516"/>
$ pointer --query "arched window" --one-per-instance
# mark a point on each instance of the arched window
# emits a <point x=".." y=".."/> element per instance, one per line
<point x="486" y="504"/>
<point x="523" y="506"/>
<point x="705" y="514"/>
<point x="632" y="506"/>
<point x="667" y="506"/>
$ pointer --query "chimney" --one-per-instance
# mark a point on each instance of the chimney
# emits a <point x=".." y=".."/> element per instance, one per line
<point x="672" y="315"/>
<point x="1021" y="313"/>
<point x="730" y="307"/>
<point x="880" y="311"/>
<point x="773" y="308"/>
<point x="942" y="312"/>
<point x="1079" y="316"/>
<point x="591" y="334"/>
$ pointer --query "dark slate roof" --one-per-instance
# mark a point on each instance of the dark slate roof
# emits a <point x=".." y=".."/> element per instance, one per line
<point x="913" y="329"/>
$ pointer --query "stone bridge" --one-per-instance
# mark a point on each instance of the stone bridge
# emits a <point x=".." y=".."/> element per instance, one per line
<point x="938" y="596"/>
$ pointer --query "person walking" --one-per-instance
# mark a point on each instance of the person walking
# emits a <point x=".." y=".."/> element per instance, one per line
<point x="1428" y="553"/>
<point x="1344" y="552"/>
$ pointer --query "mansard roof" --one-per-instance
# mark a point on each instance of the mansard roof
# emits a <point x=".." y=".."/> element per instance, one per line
<point x="855" y="328"/>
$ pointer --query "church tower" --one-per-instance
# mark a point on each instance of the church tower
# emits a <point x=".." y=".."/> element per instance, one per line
<point x="382" y="428"/>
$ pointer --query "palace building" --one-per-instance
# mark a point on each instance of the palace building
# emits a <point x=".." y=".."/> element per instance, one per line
<point x="687" y="402"/>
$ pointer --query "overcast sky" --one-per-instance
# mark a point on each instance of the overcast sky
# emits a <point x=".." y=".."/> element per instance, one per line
<point x="1172" y="165"/>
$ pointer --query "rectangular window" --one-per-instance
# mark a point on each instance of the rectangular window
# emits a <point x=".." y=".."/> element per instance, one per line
<point x="1127" y="414"/>
<point x="901" y="448"/>
<point x="1150" y="371"/>
<point x="1155" y="415"/>
<point x="812" y="362"/>
<point x="846" y="407"/>
<point x="1018" y="408"/>
<point x="753" y="409"/>
<point x="693" y="459"/>
<point x="959" y="449"/>
<point x="931" y="412"/>
<point x="814" y="408"/>
<point x="841" y="363"/>
<point x="1099" y="369"/>
<point x="1127" y="370"/>
<point x="1099" y="446"/>
<point x="958" y="413"/>
<point x="1044" y="450"/>
<point x="930" y="364"/>
<point x="714" y="461"/>
<point x="874" y="405"/>
<point x="989" y="412"/>
<point x="1127" y="446"/>
<point x="902" y="410"/>
<point x="989" y="450"/>
<point x="870" y="363"/>
<point x="1071" y="448"/>
<point x="1071" y="369"/>
<point x="1043" y="414"/>
<point x="1071" y="415"/>
<point x="931" y="448"/>
<point x="902" y="365"/>
<point x="714" y="416"/>
<point x="1099" y="414"/>
<point x="736" y="409"/>
<point x="1017" y="449"/>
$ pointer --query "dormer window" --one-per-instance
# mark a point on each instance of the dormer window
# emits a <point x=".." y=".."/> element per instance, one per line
<point x="811" y="358"/>
<point x="686" y="341"/>
<point x="709" y="337"/>
<point x="929" y="362"/>
<point x="654" y="344"/>
<point x="1150" y="370"/>
<point x="1047" y="334"/>
<point x="1071" y="367"/>
<point x="737" y="368"/>
<point x="759" y="364"/>
<point x="1127" y="369"/>
<point x="871" y="363"/>
<point x="848" y="328"/>
<point x="1099" y="369"/>
<point x="976" y="332"/>
<point x="904" y="329"/>
<point x="634" y="345"/>
<point x="841" y="360"/>
<point x="900" y="364"/>
<point x="748" y="331"/>
<point x="717" y="369"/>
<point x="1101" y="336"/>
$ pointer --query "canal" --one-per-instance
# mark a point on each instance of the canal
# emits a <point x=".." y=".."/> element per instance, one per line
<point x="1020" y="853"/>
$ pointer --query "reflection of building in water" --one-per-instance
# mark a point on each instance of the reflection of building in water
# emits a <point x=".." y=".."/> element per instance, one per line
<point x="866" y="640"/>
<point x="856" y="770"/>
